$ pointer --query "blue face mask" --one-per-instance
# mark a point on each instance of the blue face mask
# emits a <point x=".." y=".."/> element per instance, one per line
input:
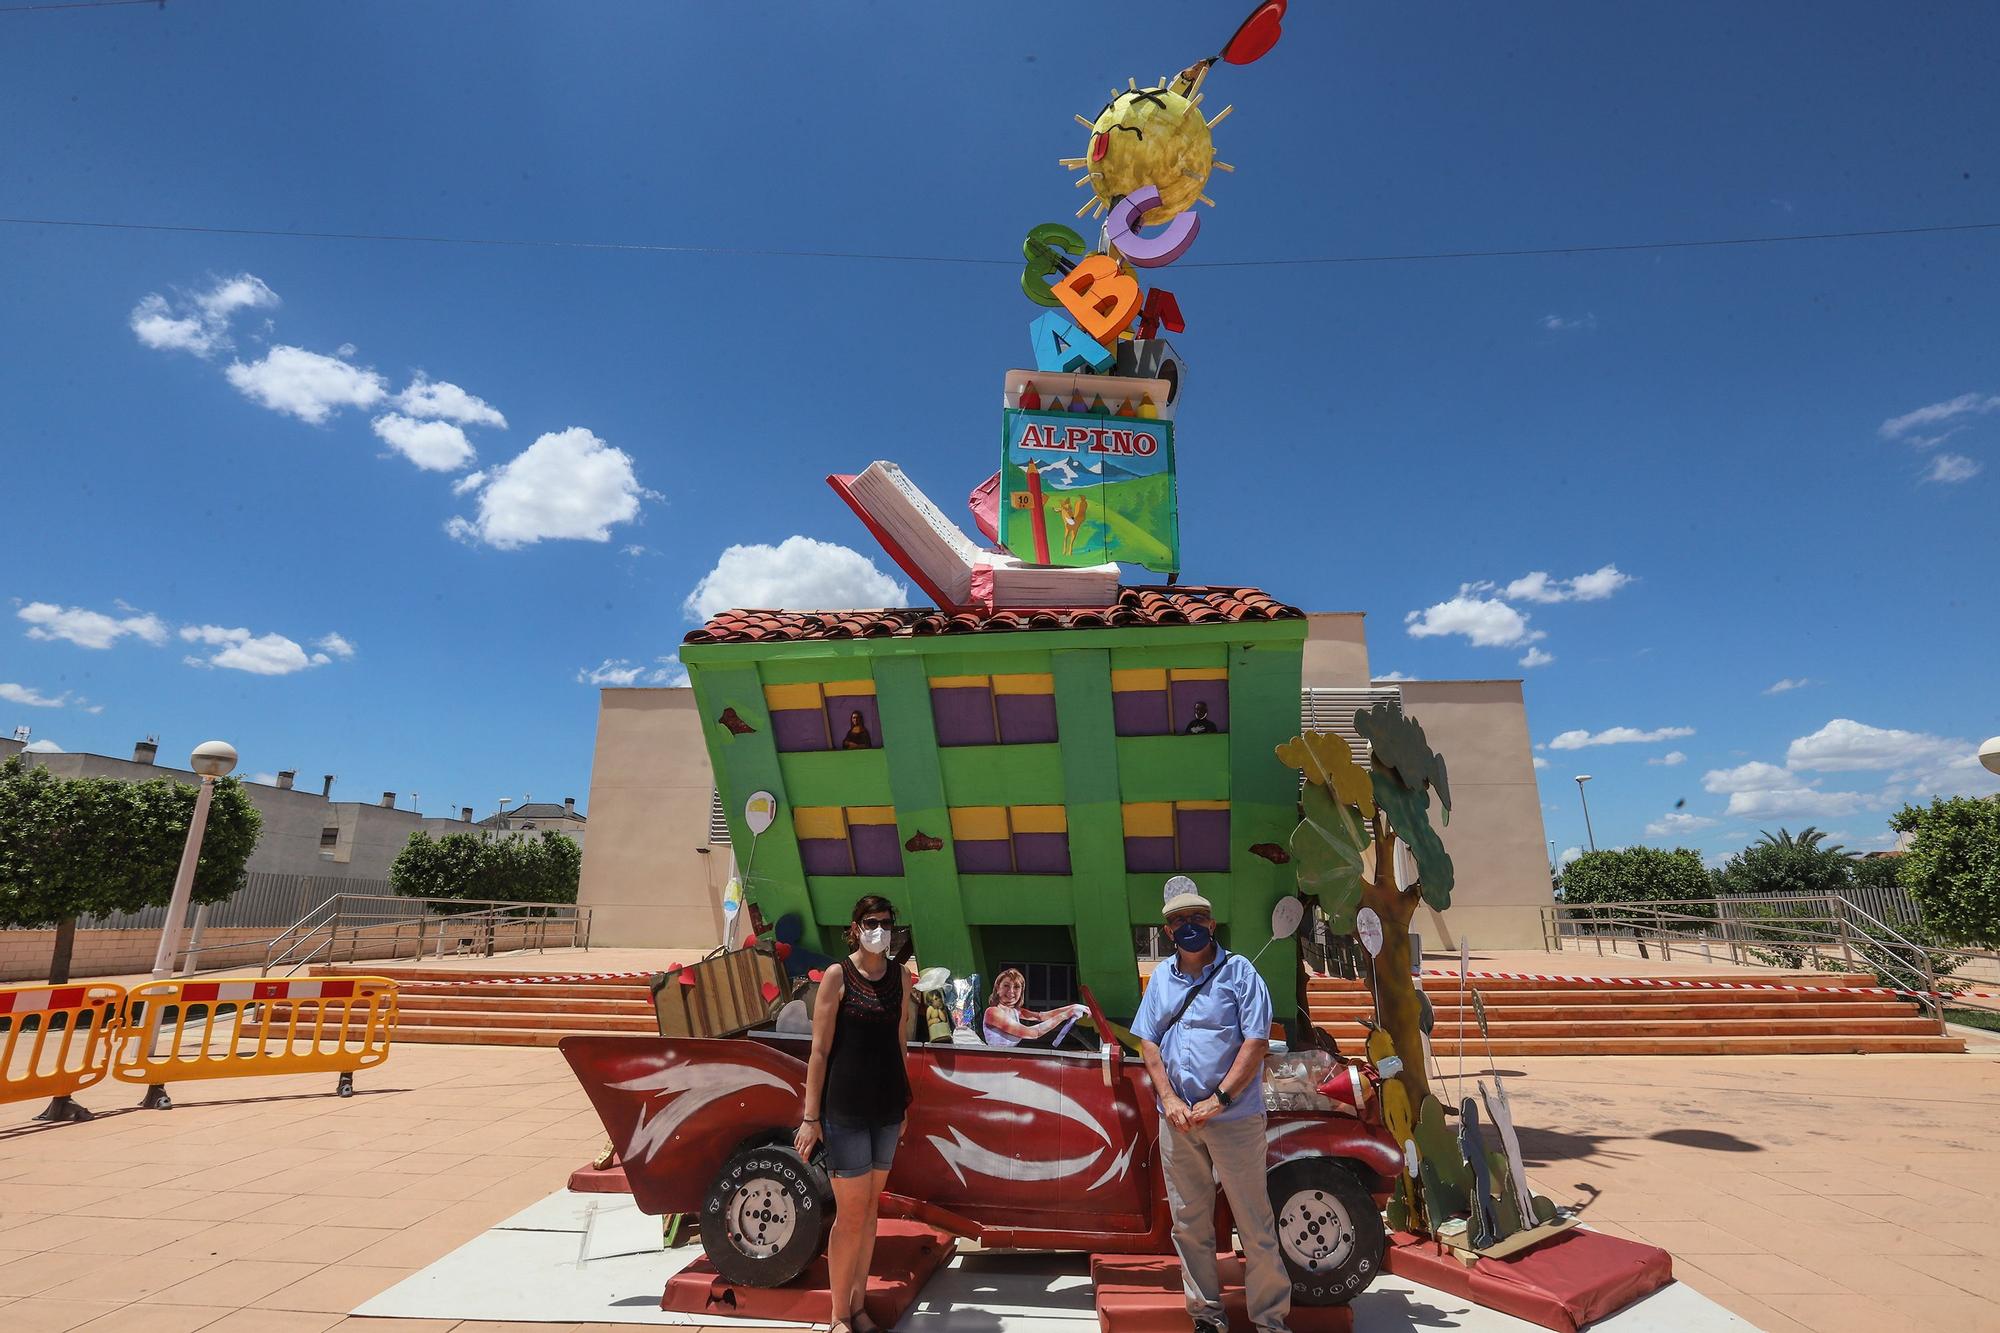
<point x="1192" y="936"/>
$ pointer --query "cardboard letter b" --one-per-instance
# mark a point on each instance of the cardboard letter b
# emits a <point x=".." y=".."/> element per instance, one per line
<point x="1099" y="298"/>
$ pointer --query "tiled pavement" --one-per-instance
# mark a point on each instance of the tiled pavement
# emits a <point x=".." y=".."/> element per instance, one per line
<point x="1821" y="1193"/>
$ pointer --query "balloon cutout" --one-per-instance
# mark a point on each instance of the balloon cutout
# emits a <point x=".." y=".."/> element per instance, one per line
<point x="1369" y="927"/>
<point x="759" y="811"/>
<point x="1285" y="918"/>
<point x="1259" y="33"/>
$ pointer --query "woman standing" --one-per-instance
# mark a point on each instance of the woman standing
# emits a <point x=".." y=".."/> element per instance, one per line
<point x="1008" y="1024"/>
<point x="857" y="1092"/>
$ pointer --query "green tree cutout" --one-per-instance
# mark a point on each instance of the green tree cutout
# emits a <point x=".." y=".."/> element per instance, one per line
<point x="72" y="847"/>
<point x="1344" y="852"/>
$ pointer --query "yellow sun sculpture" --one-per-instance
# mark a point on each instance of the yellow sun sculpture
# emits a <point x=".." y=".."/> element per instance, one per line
<point x="1151" y="136"/>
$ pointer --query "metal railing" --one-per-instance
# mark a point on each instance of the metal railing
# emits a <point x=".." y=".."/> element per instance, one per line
<point x="350" y="927"/>
<point x="1810" y="932"/>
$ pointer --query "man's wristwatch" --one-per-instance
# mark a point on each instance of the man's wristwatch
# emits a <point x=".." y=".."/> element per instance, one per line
<point x="1223" y="1097"/>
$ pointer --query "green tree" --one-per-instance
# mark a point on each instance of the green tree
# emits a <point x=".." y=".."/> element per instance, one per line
<point x="1634" y="874"/>
<point x="1952" y="867"/>
<point x="72" y="847"/>
<point x="1877" y="872"/>
<point x="1785" y="864"/>
<point x="543" y="869"/>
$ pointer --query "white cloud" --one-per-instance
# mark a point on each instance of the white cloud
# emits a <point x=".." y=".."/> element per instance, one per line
<point x="442" y="399"/>
<point x="1536" y="657"/>
<point x="1397" y="675"/>
<point x="798" y="573"/>
<point x="1561" y="324"/>
<point x="1569" y="854"/>
<point x="1846" y="746"/>
<point x="1595" y="586"/>
<point x="1789" y="683"/>
<point x="471" y="481"/>
<point x="1577" y="740"/>
<point x="258" y="654"/>
<point x="346" y="351"/>
<point x="41" y="747"/>
<point x="198" y="323"/>
<point x="305" y="384"/>
<point x="90" y="629"/>
<point x="567" y="484"/>
<point x="335" y="644"/>
<point x="1746" y="777"/>
<point x="1678" y="823"/>
<point x="1485" y="622"/>
<point x="1798" y="802"/>
<point x="1541" y="762"/>
<point x="1671" y="759"/>
<point x="623" y="672"/>
<point x="1966" y="404"/>
<point x="435" y="446"/>
<point x="1952" y="468"/>
<point x="29" y="697"/>
<point x="634" y="550"/>
<point x="263" y="779"/>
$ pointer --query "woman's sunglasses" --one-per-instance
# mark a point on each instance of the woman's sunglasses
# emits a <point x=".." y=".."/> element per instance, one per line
<point x="877" y="923"/>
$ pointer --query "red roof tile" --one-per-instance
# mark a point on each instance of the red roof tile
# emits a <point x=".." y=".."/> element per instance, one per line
<point x="1135" y="607"/>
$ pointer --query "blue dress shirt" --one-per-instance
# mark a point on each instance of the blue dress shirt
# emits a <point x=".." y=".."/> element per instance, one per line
<point x="1198" y="1050"/>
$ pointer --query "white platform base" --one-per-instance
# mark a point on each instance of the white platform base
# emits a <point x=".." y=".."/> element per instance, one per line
<point x="594" y="1258"/>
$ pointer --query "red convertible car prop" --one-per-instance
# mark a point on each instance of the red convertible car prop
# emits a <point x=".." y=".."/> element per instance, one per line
<point x="1013" y="1147"/>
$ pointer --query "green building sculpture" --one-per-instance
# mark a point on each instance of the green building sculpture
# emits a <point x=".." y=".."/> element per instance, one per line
<point x="1019" y="783"/>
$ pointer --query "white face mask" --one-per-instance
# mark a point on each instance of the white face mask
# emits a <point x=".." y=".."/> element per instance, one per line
<point x="876" y="940"/>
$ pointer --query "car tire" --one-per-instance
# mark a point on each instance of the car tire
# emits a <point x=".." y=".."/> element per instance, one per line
<point x="766" y="1216"/>
<point x="1328" y="1230"/>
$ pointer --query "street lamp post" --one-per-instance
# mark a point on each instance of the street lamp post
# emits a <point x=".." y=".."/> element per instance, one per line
<point x="1582" y="778"/>
<point x="1989" y="754"/>
<point x="211" y="760"/>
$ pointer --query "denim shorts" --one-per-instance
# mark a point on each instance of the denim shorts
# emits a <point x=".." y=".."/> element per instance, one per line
<point x="855" y="1149"/>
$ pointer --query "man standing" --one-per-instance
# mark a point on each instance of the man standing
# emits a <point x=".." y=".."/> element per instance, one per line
<point x="1203" y="1027"/>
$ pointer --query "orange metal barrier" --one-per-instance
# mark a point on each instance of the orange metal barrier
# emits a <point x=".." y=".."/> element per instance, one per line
<point x="232" y="1028"/>
<point x="55" y="1041"/>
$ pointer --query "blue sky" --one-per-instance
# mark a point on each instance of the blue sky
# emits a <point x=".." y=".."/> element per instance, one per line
<point x="404" y="562"/>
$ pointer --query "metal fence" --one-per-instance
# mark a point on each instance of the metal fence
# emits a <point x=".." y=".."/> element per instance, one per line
<point x="267" y="900"/>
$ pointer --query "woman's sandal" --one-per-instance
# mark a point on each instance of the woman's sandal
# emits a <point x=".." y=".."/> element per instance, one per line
<point x="863" y="1324"/>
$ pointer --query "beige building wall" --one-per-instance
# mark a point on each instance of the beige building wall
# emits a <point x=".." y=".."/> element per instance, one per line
<point x="1495" y="838"/>
<point x="650" y="877"/>
<point x="1336" y="651"/>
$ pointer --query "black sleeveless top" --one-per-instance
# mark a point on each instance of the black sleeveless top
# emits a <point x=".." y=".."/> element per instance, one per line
<point x="865" y="1080"/>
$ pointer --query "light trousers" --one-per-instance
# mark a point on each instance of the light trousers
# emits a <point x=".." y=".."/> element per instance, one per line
<point x="1230" y="1154"/>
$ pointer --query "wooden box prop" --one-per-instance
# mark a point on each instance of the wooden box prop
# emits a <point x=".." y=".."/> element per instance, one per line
<point x="1087" y="487"/>
<point x="720" y="996"/>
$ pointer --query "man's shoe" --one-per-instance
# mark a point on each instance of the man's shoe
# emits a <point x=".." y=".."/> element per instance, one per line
<point x="1209" y="1326"/>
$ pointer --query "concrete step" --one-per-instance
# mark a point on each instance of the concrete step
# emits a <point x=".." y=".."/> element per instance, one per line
<point x="643" y="1023"/>
<point x="417" y="972"/>
<point x="1786" y="1045"/>
<point x="1702" y="1027"/>
<point x="414" y="1001"/>
<point x="1499" y="985"/>
<point x="1621" y="995"/>
<point x="1449" y="1015"/>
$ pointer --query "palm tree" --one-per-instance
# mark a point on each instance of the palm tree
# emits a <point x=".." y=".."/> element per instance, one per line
<point x="1808" y="840"/>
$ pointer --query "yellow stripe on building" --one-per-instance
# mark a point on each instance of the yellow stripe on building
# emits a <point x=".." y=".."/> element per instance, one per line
<point x="871" y="814"/>
<point x="819" y="821"/>
<point x="960" y="682"/>
<point x="1027" y="684"/>
<point x="1149" y="819"/>
<point x="1138" y="678"/>
<point x="1201" y="805"/>
<point x="1040" y="819"/>
<point x="848" y="688"/>
<point x="1188" y="673"/>
<point x="792" y="696"/>
<point x="979" y="823"/>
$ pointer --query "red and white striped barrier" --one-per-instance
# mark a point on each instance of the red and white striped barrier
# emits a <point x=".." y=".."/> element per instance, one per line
<point x="40" y="998"/>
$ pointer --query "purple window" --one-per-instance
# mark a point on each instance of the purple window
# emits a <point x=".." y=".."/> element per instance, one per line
<point x="964" y="715"/>
<point x="982" y="856"/>
<point x="796" y="729"/>
<point x="1027" y="719"/>
<point x="840" y="711"/>
<point x="826" y="856"/>
<point x="1139" y="712"/>
<point x="875" y="849"/>
<point x="1204" y="838"/>
<point x="1146" y="855"/>
<point x="1212" y="695"/>
<point x="1041" y="853"/>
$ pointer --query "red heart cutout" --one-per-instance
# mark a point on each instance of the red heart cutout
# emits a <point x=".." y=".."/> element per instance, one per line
<point x="687" y="978"/>
<point x="816" y="974"/>
<point x="782" y="950"/>
<point x="770" y="991"/>
<point x="1259" y="33"/>
<point x="673" y="968"/>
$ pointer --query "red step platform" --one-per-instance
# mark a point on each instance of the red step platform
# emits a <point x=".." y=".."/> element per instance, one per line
<point x="1142" y="1293"/>
<point x="588" y="1179"/>
<point x="1563" y="1284"/>
<point x="906" y="1254"/>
